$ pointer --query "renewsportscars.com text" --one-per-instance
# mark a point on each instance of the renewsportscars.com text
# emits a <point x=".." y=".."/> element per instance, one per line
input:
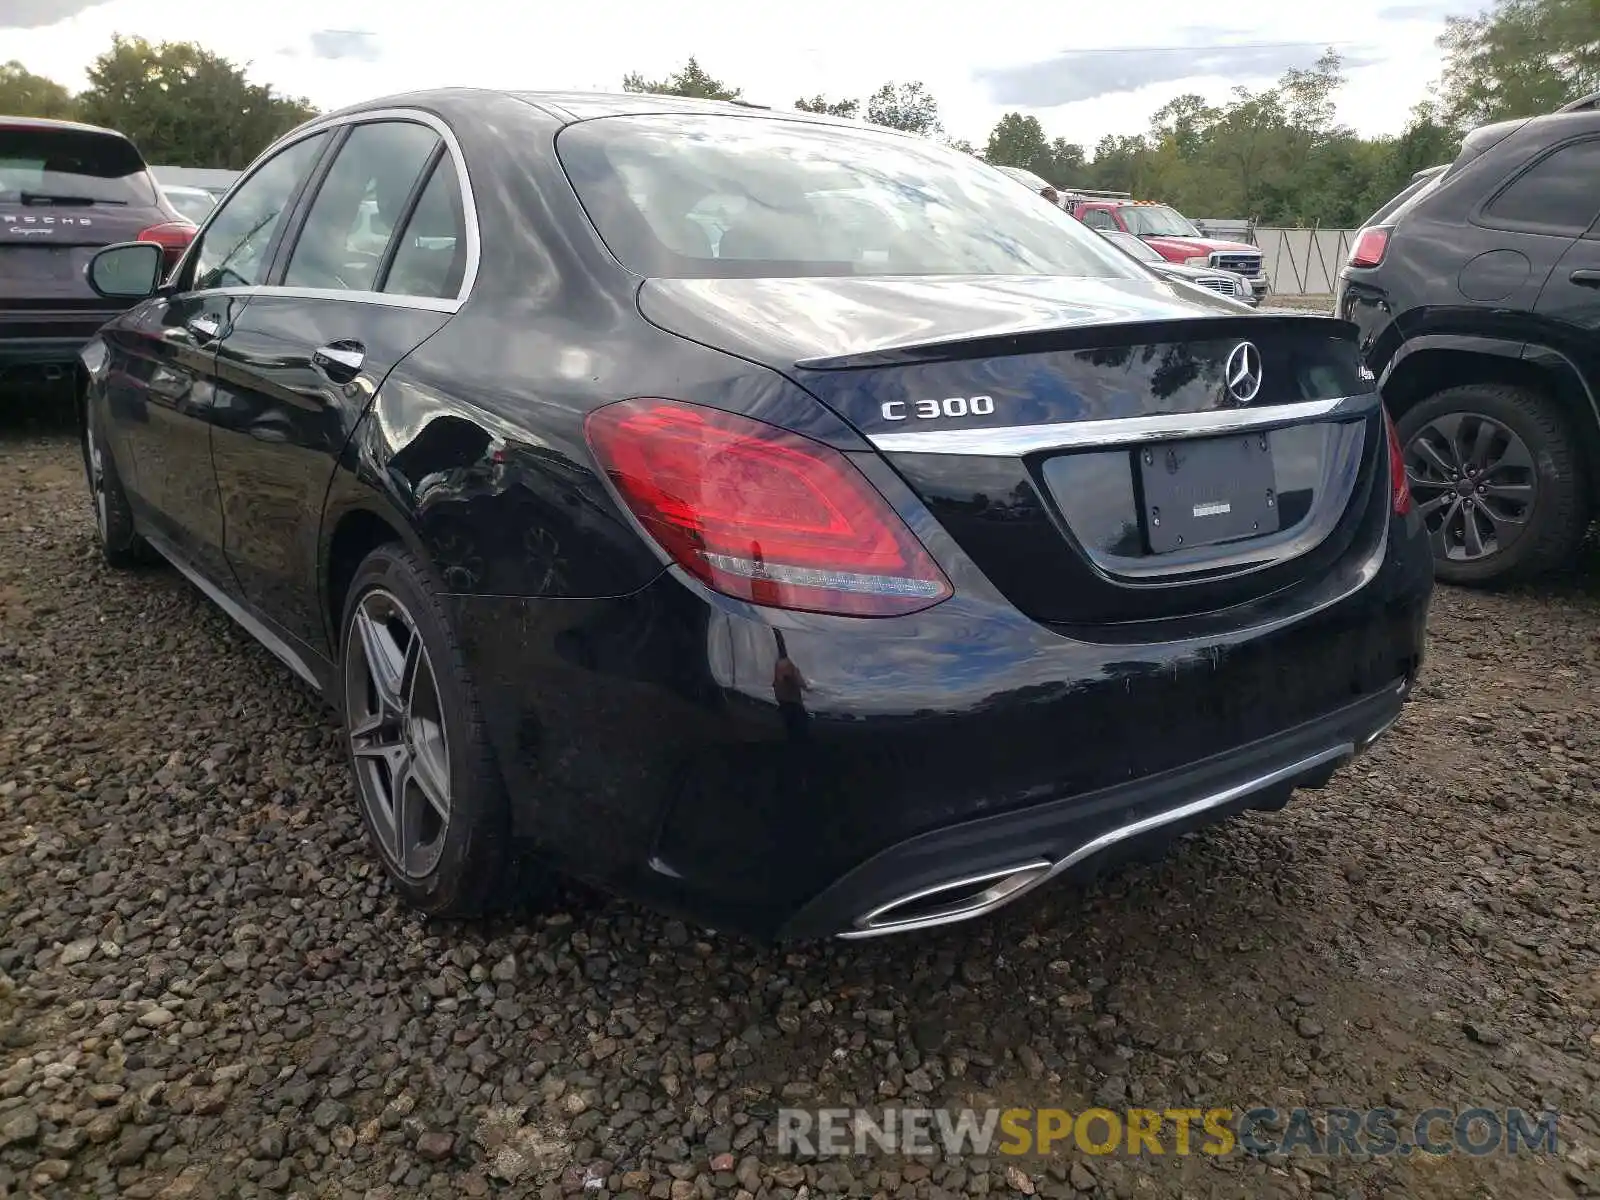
<point x="1329" y="1132"/>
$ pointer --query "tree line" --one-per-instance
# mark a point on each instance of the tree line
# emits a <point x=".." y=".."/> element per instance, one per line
<point x="1275" y="154"/>
<point x="181" y="104"/>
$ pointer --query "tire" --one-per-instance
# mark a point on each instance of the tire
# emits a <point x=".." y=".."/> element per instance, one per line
<point x="120" y="543"/>
<point x="1553" y="522"/>
<point x="468" y="866"/>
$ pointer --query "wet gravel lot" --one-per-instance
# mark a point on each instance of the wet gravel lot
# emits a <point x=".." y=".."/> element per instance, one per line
<point x="207" y="990"/>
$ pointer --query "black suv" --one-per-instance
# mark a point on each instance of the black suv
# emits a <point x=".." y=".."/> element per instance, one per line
<point x="65" y="191"/>
<point x="1477" y="293"/>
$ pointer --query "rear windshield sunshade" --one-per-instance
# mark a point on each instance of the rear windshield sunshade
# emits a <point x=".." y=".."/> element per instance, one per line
<point x="70" y="166"/>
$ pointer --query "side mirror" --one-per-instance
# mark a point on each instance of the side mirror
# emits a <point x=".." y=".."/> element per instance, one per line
<point x="129" y="271"/>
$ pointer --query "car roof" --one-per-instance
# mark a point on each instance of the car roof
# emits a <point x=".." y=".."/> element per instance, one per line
<point x="7" y="122"/>
<point x="584" y="106"/>
<point x="568" y="107"/>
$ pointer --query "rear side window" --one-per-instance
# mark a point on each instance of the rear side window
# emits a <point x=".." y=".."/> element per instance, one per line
<point x="730" y="196"/>
<point x="1558" y="194"/>
<point x="70" y="166"/>
<point x="347" y="230"/>
<point x="431" y="256"/>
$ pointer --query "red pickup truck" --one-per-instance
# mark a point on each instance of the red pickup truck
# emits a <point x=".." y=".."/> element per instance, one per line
<point x="1173" y="236"/>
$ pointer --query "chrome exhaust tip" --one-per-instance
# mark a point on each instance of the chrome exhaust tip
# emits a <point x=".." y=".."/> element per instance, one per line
<point x="945" y="903"/>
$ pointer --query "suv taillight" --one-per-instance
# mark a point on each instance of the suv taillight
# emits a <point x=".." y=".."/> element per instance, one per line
<point x="760" y="513"/>
<point x="1371" y="245"/>
<point x="1399" y="485"/>
<point x="172" y="236"/>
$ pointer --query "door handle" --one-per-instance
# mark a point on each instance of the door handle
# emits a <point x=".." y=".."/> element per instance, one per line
<point x="340" y="361"/>
<point x="1586" y="278"/>
<point x="207" y="327"/>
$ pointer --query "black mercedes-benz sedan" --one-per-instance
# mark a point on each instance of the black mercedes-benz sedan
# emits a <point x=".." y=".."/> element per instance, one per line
<point x="782" y="521"/>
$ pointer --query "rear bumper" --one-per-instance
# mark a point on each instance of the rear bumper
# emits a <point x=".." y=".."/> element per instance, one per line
<point x="783" y="775"/>
<point x="35" y="337"/>
<point x="40" y="352"/>
<point x="966" y="870"/>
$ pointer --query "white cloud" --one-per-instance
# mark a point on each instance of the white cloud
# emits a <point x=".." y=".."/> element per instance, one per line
<point x="775" y="52"/>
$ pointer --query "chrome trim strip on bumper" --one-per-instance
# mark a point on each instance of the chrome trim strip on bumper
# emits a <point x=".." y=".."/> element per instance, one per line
<point x="1017" y="440"/>
<point x="1031" y="877"/>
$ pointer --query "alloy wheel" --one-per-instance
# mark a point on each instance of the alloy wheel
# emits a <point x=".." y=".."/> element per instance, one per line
<point x="397" y="733"/>
<point x="1474" y="483"/>
<point x="97" y="473"/>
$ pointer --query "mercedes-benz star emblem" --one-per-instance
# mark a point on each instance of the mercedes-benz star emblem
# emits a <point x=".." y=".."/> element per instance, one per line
<point x="1242" y="372"/>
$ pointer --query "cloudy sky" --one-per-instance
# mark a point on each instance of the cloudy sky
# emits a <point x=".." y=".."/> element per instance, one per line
<point x="1084" y="67"/>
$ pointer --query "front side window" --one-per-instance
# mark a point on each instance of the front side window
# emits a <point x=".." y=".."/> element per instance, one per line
<point x="1099" y="218"/>
<point x="723" y="196"/>
<point x="347" y="230"/>
<point x="1558" y="194"/>
<point x="1157" y="220"/>
<point x="233" y="249"/>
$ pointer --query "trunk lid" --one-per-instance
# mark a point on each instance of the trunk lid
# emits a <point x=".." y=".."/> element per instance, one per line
<point x="1079" y="438"/>
<point x="65" y="191"/>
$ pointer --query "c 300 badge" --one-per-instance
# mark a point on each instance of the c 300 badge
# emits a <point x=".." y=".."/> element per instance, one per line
<point x="927" y="410"/>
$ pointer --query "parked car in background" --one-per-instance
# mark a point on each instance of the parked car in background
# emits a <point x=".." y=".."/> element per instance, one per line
<point x="1066" y="197"/>
<point x="65" y="191"/>
<point x="1174" y="237"/>
<point x="1034" y="183"/>
<point x="899" y="550"/>
<point x="193" y="204"/>
<point x="1225" y="283"/>
<point x="1477" y="293"/>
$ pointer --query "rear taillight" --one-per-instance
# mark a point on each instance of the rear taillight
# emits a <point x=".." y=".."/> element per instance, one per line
<point x="1399" y="486"/>
<point x="1371" y="245"/>
<point x="172" y="236"/>
<point x="760" y="513"/>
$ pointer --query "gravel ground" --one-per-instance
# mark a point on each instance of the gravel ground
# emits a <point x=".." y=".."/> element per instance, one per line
<point x="207" y="990"/>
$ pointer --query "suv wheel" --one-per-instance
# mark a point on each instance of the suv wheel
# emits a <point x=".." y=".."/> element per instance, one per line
<point x="431" y="795"/>
<point x="1498" y="477"/>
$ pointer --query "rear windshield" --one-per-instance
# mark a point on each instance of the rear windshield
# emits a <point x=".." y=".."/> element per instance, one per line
<point x="1132" y="245"/>
<point x="1411" y="191"/>
<point x="67" y="166"/>
<point x="192" y="203"/>
<point x="724" y="196"/>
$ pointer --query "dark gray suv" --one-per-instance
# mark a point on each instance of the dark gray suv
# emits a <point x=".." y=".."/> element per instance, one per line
<point x="1477" y="293"/>
<point x="65" y="191"/>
